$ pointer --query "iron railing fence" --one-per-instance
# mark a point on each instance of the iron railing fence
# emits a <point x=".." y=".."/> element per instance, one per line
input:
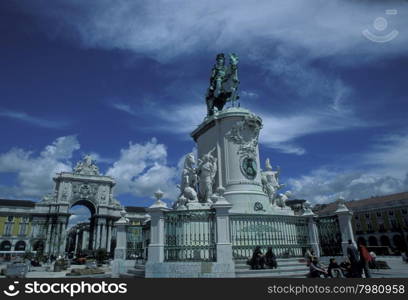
<point x="329" y="235"/>
<point x="190" y="235"/>
<point x="287" y="235"/>
<point x="134" y="242"/>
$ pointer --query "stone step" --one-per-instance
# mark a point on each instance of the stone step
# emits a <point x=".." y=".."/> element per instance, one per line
<point x="282" y="260"/>
<point x="280" y="272"/>
<point x="134" y="273"/>
<point x="280" y="265"/>
<point x="287" y="268"/>
<point x="280" y="268"/>
<point x="298" y="274"/>
<point x="266" y="270"/>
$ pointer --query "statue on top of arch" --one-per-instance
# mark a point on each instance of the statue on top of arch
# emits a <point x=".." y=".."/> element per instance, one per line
<point x="87" y="167"/>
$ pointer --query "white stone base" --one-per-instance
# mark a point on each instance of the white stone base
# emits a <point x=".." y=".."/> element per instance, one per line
<point x="190" y="270"/>
<point x="118" y="267"/>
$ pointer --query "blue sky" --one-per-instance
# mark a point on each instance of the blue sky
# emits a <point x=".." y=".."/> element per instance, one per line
<point x="125" y="82"/>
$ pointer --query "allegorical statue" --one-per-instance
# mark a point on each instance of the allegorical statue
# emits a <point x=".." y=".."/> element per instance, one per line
<point x="270" y="181"/>
<point x="189" y="180"/>
<point x="207" y="168"/>
<point x="86" y="167"/>
<point x="223" y="83"/>
<point x="282" y="198"/>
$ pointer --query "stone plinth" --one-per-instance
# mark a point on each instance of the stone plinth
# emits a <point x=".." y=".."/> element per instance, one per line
<point x="344" y="215"/>
<point x="190" y="270"/>
<point x="233" y="134"/>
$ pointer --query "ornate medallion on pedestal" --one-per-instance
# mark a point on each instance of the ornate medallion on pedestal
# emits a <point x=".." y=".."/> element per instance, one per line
<point x="245" y="134"/>
<point x="249" y="167"/>
<point x="258" y="206"/>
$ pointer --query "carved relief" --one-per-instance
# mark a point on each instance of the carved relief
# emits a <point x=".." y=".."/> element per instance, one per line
<point x="84" y="191"/>
<point x="103" y="195"/>
<point x="245" y="133"/>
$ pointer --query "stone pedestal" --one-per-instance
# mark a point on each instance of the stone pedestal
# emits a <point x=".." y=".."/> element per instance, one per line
<point x="313" y="231"/>
<point x="224" y="245"/>
<point x="118" y="264"/>
<point x="344" y="216"/>
<point x="231" y="135"/>
<point x="156" y="246"/>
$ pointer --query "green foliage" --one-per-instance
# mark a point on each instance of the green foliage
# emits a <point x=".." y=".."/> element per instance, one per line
<point x="101" y="255"/>
<point x="28" y="255"/>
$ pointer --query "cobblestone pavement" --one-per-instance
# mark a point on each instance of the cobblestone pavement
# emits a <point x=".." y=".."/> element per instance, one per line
<point x="399" y="269"/>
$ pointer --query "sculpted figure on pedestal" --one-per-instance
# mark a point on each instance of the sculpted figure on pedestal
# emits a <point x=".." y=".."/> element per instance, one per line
<point x="270" y="181"/>
<point x="188" y="184"/>
<point x="207" y="168"/>
<point x="223" y="83"/>
<point x="189" y="174"/>
<point x="281" y="199"/>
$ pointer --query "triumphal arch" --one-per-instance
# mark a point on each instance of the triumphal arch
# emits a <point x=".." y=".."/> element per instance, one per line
<point x="84" y="186"/>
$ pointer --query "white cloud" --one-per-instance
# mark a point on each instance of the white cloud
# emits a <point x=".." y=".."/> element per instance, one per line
<point x="124" y="108"/>
<point x="34" y="173"/>
<point x="385" y="172"/>
<point x="389" y="155"/>
<point x="166" y="29"/>
<point x="323" y="185"/>
<point x="181" y="119"/>
<point x="24" y="117"/>
<point x="248" y="94"/>
<point x="281" y="132"/>
<point x="100" y="159"/>
<point x="79" y="214"/>
<point x="142" y="169"/>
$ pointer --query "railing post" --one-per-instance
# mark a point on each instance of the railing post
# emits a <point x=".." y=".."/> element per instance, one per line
<point x="119" y="261"/>
<point x="344" y="215"/>
<point x="312" y="231"/>
<point x="224" y="246"/>
<point x="156" y="246"/>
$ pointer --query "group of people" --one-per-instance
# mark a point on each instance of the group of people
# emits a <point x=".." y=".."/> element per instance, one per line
<point x="358" y="262"/>
<point x="260" y="260"/>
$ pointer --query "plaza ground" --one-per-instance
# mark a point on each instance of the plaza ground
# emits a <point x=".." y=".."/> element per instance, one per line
<point x="399" y="269"/>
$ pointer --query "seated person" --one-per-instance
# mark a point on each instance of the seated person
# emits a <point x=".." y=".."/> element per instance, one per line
<point x="270" y="259"/>
<point x="309" y="255"/>
<point x="372" y="264"/>
<point x="257" y="260"/>
<point x="405" y="257"/>
<point x="334" y="269"/>
<point x="346" y="268"/>
<point x="316" y="270"/>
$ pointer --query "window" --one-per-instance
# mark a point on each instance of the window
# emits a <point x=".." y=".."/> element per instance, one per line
<point x="394" y="225"/>
<point x="404" y="211"/>
<point x="378" y="214"/>
<point x="367" y="216"/>
<point x="23" y="227"/>
<point x="391" y="213"/>
<point x="7" y="229"/>
<point x="10" y="218"/>
<point x="356" y="217"/>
